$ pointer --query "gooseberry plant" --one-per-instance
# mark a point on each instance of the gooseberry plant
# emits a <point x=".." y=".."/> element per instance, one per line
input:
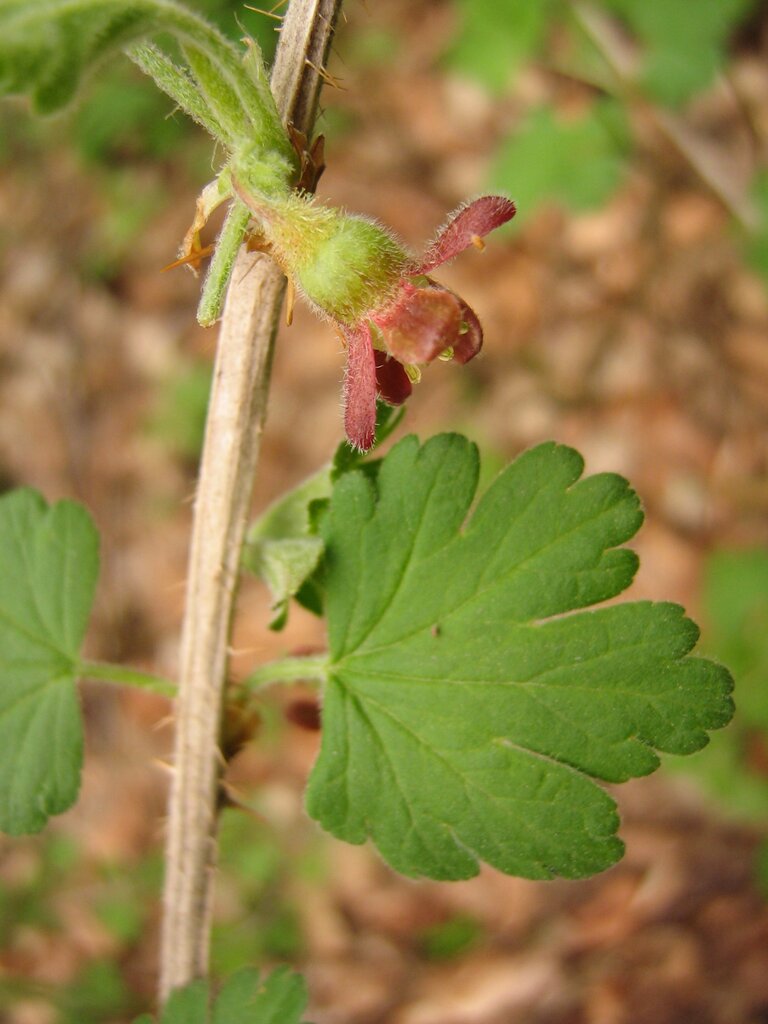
<point x="472" y="697"/>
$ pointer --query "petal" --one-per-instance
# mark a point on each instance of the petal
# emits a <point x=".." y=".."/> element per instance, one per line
<point x="470" y="340"/>
<point x="466" y="224"/>
<point x="394" y="383"/>
<point x="360" y="389"/>
<point x="421" y="325"/>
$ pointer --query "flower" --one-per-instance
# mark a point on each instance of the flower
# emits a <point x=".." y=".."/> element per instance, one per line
<point x="421" y="321"/>
<point x="393" y="317"/>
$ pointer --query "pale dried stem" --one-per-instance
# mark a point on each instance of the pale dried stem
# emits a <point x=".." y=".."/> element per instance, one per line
<point x="230" y="454"/>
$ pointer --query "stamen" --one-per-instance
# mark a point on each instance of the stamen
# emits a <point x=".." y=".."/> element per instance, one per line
<point x="478" y="243"/>
<point x="290" y="301"/>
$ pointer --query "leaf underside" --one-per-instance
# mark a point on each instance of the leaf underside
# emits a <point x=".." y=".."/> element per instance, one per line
<point x="48" y="571"/>
<point x="466" y="714"/>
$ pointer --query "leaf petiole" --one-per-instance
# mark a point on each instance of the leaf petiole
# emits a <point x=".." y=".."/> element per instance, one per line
<point x="123" y="675"/>
<point x="313" y="668"/>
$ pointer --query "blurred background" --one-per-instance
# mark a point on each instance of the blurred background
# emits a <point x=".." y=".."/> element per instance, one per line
<point x="625" y="312"/>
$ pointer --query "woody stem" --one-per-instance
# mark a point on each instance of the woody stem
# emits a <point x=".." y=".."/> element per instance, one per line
<point x="227" y="471"/>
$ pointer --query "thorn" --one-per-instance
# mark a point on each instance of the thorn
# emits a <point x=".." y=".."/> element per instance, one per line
<point x="168" y="769"/>
<point x="478" y="243"/>
<point x="326" y="76"/>
<point x="232" y="798"/>
<point x="267" y="14"/>
<point x="236" y="652"/>
<point x="290" y="300"/>
<point x="192" y="260"/>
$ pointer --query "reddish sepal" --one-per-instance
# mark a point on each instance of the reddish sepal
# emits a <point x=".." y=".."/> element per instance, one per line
<point x="360" y="389"/>
<point x="464" y="226"/>
<point x="394" y="383"/>
<point x="470" y="339"/>
<point x="305" y="713"/>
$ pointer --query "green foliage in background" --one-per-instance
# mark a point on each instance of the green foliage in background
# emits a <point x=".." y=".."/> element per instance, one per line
<point x="756" y="245"/>
<point x="684" y="44"/>
<point x="451" y="938"/>
<point x="734" y="766"/>
<point x="178" y="416"/>
<point x="257" y="866"/>
<point x="680" y="47"/>
<point x="493" y="40"/>
<point x="576" y="162"/>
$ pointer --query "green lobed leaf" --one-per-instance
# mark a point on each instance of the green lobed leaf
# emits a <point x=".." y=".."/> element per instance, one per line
<point x="281" y="547"/>
<point x="48" y="572"/>
<point x="244" y="999"/>
<point x="466" y="714"/>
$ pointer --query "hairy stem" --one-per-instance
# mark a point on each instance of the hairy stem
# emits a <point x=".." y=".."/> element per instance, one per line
<point x="227" y="471"/>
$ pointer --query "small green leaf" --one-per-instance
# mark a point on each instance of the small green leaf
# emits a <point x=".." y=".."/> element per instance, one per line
<point x="244" y="999"/>
<point x="577" y="163"/>
<point x="281" y="547"/>
<point x="188" y="1005"/>
<point x="281" y="999"/>
<point x="48" y="570"/>
<point x="466" y="714"/>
